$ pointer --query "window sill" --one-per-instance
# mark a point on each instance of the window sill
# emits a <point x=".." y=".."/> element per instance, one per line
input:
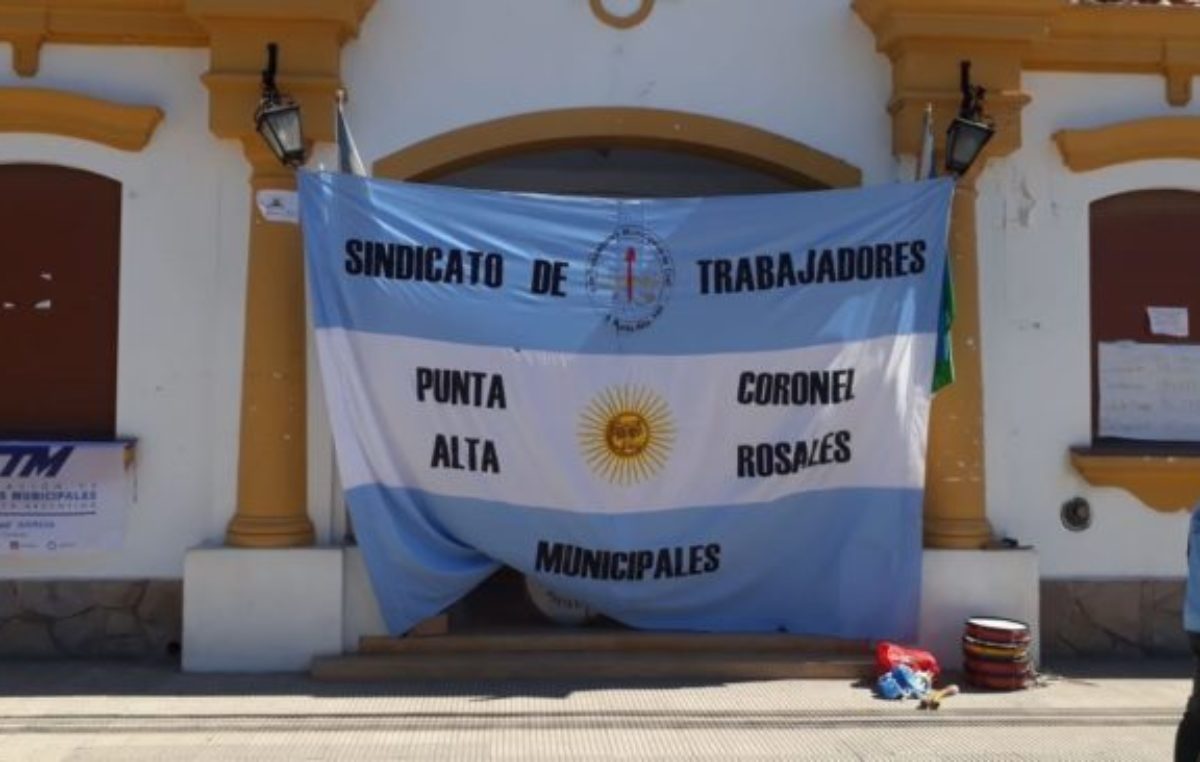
<point x="1165" y="480"/>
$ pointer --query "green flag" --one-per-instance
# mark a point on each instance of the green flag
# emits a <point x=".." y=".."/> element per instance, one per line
<point x="943" y="362"/>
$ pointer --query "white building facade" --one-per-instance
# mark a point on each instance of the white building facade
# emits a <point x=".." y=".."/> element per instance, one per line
<point x="238" y="550"/>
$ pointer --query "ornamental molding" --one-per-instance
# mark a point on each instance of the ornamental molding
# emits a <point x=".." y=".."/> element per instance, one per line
<point x="1171" y="137"/>
<point x="55" y="112"/>
<point x="629" y="127"/>
<point x="618" y="21"/>
<point x="1164" y="483"/>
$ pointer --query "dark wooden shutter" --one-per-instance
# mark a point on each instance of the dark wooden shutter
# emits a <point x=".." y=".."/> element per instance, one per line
<point x="59" y="279"/>
<point x="1145" y="252"/>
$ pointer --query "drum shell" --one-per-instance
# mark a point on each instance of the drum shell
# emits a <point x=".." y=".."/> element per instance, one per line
<point x="987" y="667"/>
<point x="999" y="682"/>
<point x="994" y="651"/>
<point x="991" y="630"/>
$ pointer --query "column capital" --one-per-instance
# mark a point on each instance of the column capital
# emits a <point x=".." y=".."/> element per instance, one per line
<point x="310" y="35"/>
<point x="347" y="15"/>
<point x="927" y="39"/>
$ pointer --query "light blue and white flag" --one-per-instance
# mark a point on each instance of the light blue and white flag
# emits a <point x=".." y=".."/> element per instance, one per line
<point x="698" y="414"/>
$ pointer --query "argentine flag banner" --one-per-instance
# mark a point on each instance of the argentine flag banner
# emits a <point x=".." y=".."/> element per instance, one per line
<point x="702" y="414"/>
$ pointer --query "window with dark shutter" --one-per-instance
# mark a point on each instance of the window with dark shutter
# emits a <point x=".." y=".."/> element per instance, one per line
<point x="59" y="283"/>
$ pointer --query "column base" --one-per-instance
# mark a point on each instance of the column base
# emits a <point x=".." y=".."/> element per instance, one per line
<point x="957" y="534"/>
<point x="270" y="532"/>
<point x="959" y="584"/>
<point x="260" y="610"/>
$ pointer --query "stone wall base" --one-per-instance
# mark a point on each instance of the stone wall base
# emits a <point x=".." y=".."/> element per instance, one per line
<point x="1113" y="618"/>
<point x="143" y="619"/>
<point x="131" y="619"/>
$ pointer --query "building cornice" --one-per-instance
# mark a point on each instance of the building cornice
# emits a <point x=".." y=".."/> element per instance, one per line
<point x="925" y="40"/>
<point x="953" y="22"/>
<point x="28" y="24"/>
<point x="1131" y="39"/>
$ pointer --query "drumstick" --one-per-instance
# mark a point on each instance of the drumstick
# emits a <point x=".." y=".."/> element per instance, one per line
<point x="934" y="700"/>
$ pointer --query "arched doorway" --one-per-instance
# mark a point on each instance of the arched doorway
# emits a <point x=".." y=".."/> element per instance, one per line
<point x="614" y="152"/>
<point x="732" y="144"/>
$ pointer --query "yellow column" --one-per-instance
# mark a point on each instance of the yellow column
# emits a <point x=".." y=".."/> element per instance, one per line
<point x="272" y="497"/>
<point x="272" y="501"/>
<point x="955" y="509"/>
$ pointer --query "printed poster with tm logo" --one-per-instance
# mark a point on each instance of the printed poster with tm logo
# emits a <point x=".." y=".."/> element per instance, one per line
<point x="64" y="497"/>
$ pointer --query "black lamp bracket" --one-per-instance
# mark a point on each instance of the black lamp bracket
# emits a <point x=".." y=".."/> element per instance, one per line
<point x="268" y="75"/>
<point x="972" y="95"/>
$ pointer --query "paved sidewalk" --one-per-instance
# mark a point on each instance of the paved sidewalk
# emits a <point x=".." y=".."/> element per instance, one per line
<point x="87" y="711"/>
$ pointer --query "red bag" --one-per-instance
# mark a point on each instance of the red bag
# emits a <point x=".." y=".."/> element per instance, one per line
<point x="889" y="655"/>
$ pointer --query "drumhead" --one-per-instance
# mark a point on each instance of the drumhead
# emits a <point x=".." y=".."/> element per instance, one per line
<point x="991" y="630"/>
<point x="1003" y="625"/>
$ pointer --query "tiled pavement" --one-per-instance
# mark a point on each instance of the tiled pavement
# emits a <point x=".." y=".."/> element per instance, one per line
<point x="89" y="711"/>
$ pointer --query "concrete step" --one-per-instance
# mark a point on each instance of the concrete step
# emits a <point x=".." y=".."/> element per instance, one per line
<point x="553" y="666"/>
<point x="598" y="655"/>
<point x="623" y="641"/>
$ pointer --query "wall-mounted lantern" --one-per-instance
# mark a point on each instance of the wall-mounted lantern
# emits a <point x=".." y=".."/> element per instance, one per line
<point x="278" y="117"/>
<point x="970" y="131"/>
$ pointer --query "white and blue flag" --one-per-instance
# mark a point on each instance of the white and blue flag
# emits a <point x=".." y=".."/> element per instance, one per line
<point x="695" y="414"/>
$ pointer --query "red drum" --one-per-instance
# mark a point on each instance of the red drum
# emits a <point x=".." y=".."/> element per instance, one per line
<point x="998" y="631"/>
<point x="999" y="682"/>
<point x="986" y="667"/>
<point x="996" y="654"/>
<point x="994" y="651"/>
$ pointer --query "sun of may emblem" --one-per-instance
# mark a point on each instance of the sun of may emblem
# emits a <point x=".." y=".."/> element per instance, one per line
<point x="626" y="433"/>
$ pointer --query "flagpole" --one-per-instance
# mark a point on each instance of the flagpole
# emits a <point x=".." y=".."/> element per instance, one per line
<point x="926" y="169"/>
<point x="349" y="162"/>
<point x="943" y="367"/>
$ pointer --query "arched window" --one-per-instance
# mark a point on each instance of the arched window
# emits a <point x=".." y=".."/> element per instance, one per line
<point x="59" y="281"/>
<point x="1145" y="263"/>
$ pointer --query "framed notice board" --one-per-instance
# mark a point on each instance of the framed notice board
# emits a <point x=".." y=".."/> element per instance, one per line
<point x="1145" y="305"/>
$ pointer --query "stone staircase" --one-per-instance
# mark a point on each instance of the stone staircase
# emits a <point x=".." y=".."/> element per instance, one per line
<point x="602" y="655"/>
